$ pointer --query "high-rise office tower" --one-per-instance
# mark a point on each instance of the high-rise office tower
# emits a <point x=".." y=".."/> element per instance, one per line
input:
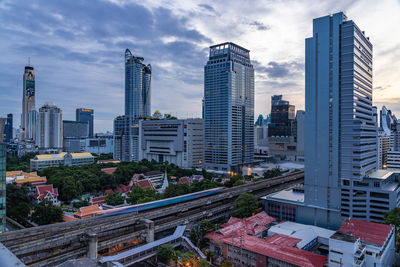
<point x="50" y="128"/>
<point x="86" y="115"/>
<point x="282" y="117"/>
<point x="341" y="180"/>
<point x="2" y="187"/>
<point x="137" y="87"/>
<point x="228" y="108"/>
<point x="28" y="98"/>
<point x="8" y="131"/>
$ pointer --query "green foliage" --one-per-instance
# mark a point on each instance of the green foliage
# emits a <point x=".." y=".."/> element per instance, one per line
<point x="45" y="213"/>
<point x="194" y="236"/>
<point x="20" y="211"/>
<point x="114" y="199"/>
<point x="165" y="253"/>
<point x="20" y="164"/>
<point x="17" y="202"/>
<point x="80" y="204"/>
<point x="234" y="181"/>
<point x="174" y="190"/>
<point x="105" y="156"/>
<point x="202" y="263"/>
<point x="246" y="204"/>
<point x="272" y="173"/>
<point x="226" y="263"/>
<point x="393" y="217"/>
<point x="138" y="195"/>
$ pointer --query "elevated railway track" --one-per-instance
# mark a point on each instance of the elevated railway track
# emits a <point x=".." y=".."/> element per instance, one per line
<point x="52" y="244"/>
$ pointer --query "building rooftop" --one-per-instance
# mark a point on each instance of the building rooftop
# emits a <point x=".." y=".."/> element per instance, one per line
<point x="306" y="233"/>
<point x="109" y="170"/>
<point x="339" y="235"/>
<point x="368" y="232"/>
<point x="382" y="174"/>
<point x="281" y="252"/>
<point x="153" y="173"/>
<point x="60" y="156"/>
<point x="288" y="195"/>
<point x="87" y="211"/>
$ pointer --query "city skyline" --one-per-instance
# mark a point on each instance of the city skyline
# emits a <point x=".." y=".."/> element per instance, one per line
<point x="83" y="66"/>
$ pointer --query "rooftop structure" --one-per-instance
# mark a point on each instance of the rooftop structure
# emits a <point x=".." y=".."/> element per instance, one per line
<point x="87" y="212"/>
<point x="40" y="162"/>
<point x="109" y="170"/>
<point x="20" y="177"/>
<point x="46" y="192"/>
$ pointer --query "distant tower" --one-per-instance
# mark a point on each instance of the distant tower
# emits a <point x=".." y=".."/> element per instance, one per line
<point x="50" y="128"/>
<point x="9" y="128"/>
<point x="28" y="98"/>
<point x="137" y="87"/>
<point x="86" y="115"/>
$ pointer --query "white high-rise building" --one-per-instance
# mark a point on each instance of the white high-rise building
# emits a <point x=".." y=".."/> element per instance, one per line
<point x="49" y="128"/>
<point x="383" y="148"/>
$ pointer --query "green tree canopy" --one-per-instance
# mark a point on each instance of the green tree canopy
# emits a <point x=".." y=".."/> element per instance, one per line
<point x="226" y="263"/>
<point x="246" y="204"/>
<point x="174" y="190"/>
<point x="165" y="253"/>
<point x="393" y="217"/>
<point x="45" y="213"/>
<point x="114" y="199"/>
<point x="272" y="173"/>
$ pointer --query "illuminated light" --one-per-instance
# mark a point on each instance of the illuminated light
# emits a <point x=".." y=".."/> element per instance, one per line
<point x="87" y="110"/>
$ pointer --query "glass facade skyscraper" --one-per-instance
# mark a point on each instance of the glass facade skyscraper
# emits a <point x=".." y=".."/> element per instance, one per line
<point x="2" y="187"/>
<point x="86" y="115"/>
<point x="282" y="117"/>
<point x="228" y="108"/>
<point x="8" y="130"/>
<point x="137" y="87"/>
<point x="28" y="99"/>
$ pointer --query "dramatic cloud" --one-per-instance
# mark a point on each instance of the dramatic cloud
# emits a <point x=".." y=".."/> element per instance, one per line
<point x="77" y="49"/>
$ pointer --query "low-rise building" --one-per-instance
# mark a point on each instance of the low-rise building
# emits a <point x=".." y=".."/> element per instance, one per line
<point x="40" y="162"/>
<point x="345" y="250"/>
<point x="156" y="177"/>
<point x="46" y="192"/>
<point x="87" y="212"/>
<point x="20" y="177"/>
<point x="377" y="242"/>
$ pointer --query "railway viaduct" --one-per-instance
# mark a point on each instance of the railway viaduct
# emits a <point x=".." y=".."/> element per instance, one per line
<point x="50" y="245"/>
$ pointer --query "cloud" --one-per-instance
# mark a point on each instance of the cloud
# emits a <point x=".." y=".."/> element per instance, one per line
<point x="77" y="49"/>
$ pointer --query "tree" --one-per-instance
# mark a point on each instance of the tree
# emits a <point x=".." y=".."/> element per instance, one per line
<point x="246" y="204"/>
<point x="17" y="202"/>
<point x="202" y="263"/>
<point x="45" y="213"/>
<point x="226" y="263"/>
<point x="19" y="212"/>
<point x="80" y="204"/>
<point x="393" y="217"/>
<point x="114" y="199"/>
<point x="272" y="173"/>
<point x="174" y="190"/>
<point x="165" y="253"/>
<point x="194" y="236"/>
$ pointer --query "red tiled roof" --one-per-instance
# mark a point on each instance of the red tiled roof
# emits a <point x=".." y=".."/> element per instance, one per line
<point x="43" y="190"/>
<point x="98" y="200"/>
<point x="252" y="225"/>
<point x="145" y="184"/>
<point x="67" y="218"/>
<point x="109" y="170"/>
<point x="184" y="180"/>
<point x="369" y="232"/>
<point x="283" y="240"/>
<point x="87" y="211"/>
<point x="108" y="191"/>
<point x="283" y="253"/>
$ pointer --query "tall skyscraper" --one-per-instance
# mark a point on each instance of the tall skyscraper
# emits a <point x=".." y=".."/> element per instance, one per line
<point x="28" y="98"/>
<point x="137" y="87"/>
<point x="86" y="115"/>
<point x="50" y="128"/>
<point x="341" y="180"/>
<point x="2" y="187"/>
<point x="228" y="108"/>
<point x="9" y="128"/>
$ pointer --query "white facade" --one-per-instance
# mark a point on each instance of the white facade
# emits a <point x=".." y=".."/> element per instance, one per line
<point x="393" y="160"/>
<point x="50" y="128"/>
<point x="179" y="142"/>
<point x="346" y="250"/>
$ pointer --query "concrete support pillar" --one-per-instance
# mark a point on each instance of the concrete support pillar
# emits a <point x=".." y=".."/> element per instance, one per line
<point x="92" y="252"/>
<point x="150" y="230"/>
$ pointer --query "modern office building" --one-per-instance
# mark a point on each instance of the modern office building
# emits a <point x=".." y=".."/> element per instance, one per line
<point x="86" y="115"/>
<point x="383" y="148"/>
<point x="8" y="130"/>
<point x="2" y="129"/>
<point x="179" y="142"/>
<point x="389" y="125"/>
<point x="282" y="117"/>
<point x="2" y="187"/>
<point x="99" y="145"/>
<point x="40" y="162"/>
<point x="126" y="139"/>
<point x="28" y="99"/>
<point x="50" y="128"/>
<point x="228" y="108"/>
<point x="32" y="126"/>
<point x="341" y="177"/>
<point x="299" y="132"/>
<point x="137" y="87"/>
<point x="74" y="135"/>
<point x="393" y="160"/>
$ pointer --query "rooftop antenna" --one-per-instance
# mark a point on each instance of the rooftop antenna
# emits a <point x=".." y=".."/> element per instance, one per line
<point x="29" y="61"/>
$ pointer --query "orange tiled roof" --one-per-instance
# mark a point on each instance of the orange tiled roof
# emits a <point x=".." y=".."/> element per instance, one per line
<point x="87" y="211"/>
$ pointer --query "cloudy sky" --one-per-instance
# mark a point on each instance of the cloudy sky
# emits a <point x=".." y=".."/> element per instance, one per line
<point x="77" y="49"/>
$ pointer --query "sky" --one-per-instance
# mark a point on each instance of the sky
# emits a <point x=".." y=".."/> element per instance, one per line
<point x="77" y="49"/>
